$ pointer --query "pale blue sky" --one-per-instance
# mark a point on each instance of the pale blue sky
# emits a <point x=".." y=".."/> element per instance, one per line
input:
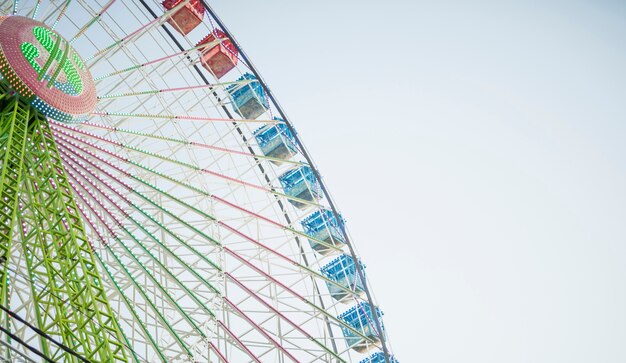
<point x="477" y="150"/>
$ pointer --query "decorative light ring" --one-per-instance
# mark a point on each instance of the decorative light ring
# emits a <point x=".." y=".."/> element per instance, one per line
<point x="43" y="67"/>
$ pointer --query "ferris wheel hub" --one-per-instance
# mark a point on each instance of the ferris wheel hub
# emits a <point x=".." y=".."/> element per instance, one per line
<point x="43" y="67"/>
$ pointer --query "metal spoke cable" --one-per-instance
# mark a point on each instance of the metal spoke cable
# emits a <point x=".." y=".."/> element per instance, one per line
<point x="190" y="143"/>
<point x="92" y="21"/>
<point x="158" y="60"/>
<point x="56" y="22"/>
<point x="135" y="34"/>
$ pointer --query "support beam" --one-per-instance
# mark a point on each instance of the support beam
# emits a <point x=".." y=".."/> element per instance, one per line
<point x="38" y="211"/>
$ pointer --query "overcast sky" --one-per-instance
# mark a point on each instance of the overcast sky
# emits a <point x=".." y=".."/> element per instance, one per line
<point x="477" y="150"/>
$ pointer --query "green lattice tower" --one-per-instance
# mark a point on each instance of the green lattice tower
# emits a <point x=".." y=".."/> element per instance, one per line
<point x="38" y="211"/>
<point x="38" y="214"/>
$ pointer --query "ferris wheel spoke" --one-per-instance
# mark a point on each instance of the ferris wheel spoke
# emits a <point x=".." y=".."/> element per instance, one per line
<point x="142" y="181"/>
<point x="130" y="279"/>
<point x="217" y="351"/>
<point x="141" y="226"/>
<point x="130" y="82"/>
<point x="135" y="34"/>
<point x="152" y="218"/>
<point x="36" y="9"/>
<point x="191" y="143"/>
<point x="286" y="228"/>
<point x="146" y="183"/>
<point x="148" y="252"/>
<point x="190" y="291"/>
<point x="151" y="201"/>
<point x="127" y="303"/>
<point x="158" y="60"/>
<point x="136" y="80"/>
<point x="15" y="2"/>
<point x="168" y="300"/>
<point x="182" y="117"/>
<point x="63" y="8"/>
<point x="166" y="90"/>
<point x="89" y="23"/>
<point x="48" y="11"/>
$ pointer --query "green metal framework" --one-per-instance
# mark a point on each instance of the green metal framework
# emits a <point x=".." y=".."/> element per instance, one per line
<point x="38" y="211"/>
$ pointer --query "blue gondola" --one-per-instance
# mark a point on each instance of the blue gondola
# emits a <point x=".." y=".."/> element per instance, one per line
<point x="379" y="357"/>
<point x="250" y="100"/>
<point x="276" y="141"/>
<point x="323" y="225"/>
<point x="361" y="319"/>
<point x="342" y="270"/>
<point x="300" y="183"/>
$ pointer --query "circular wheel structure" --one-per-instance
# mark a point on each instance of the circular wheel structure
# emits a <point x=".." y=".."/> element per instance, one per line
<point x="157" y="203"/>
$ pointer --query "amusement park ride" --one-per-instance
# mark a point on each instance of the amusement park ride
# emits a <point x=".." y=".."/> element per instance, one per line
<point x="157" y="205"/>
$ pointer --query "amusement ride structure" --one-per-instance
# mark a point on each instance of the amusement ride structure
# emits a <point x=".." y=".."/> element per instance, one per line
<point x="156" y="203"/>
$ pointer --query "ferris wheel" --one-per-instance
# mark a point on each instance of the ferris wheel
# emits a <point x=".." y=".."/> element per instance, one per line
<point x="157" y="204"/>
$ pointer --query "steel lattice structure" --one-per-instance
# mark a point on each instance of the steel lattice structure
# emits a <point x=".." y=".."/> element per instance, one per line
<point x="157" y="203"/>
